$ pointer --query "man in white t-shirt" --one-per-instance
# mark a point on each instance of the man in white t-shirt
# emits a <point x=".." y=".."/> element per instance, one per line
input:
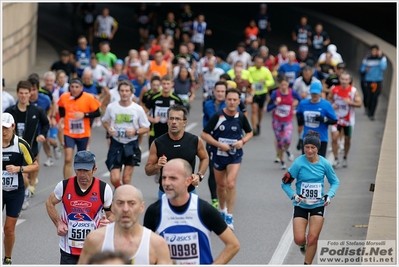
<point x="105" y="27"/>
<point x="100" y="74"/>
<point x="7" y="99"/>
<point x="239" y="55"/>
<point x="124" y="121"/>
<point x="208" y="77"/>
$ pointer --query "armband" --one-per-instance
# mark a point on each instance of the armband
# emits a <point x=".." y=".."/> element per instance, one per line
<point x="287" y="178"/>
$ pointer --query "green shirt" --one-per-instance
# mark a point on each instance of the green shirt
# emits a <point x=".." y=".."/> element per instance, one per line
<point x="257" y="75"/>
<point x="107" y="60"/>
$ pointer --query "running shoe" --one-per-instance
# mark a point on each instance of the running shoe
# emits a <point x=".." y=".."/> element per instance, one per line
<point x="283" y="166"/>
<point x="49" y="162"/>
<point x="25" y="205"/>
<point x="31" y="189"/>
<point x="215" y="203"/>
<point x="344" y="163"/>
<point x="7" y="261"/>
<point x="258" y="129"/>
<point x="335" y="163"/>
<point x="277" y="160"/>
<point x="290" y="155"/>
<point x="57" y="152"/>
<point x="302" y="248"/>
<point x="230" y="221"/>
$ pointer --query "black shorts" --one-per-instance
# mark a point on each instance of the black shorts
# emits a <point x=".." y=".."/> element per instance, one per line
<point x="347" y="130"/>
<point x="67" y="258"/>
<point x="13" y="201"/>
<point x="260" y="100"/>
<point x="305" y="213"/>
<point x="113" y="162"/>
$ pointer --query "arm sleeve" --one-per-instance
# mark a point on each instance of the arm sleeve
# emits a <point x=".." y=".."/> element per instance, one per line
<point x="211" y="218"/>
<point x="61" y="111"/>
<point x="271" y="104"/>
<point x="211" y="123"/>
<point x="93" y="114"/>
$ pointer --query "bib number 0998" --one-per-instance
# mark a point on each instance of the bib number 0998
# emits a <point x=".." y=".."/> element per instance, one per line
<point x="183" y="250"/>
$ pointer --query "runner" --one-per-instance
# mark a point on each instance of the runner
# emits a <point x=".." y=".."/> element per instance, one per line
<point x="177" y="143"/>
<point x="76" y="108"/>
<point x="126" y="235"/>
<point x="105" y="27"/>
<point x="18" y="159"/>
<point x="344" y="98"/>
<point x="283" y="101"/>
<point x="82" y="55"/>
<point x="208" y="77"/>
<point x="315" y="114"/>
<point x="124" y="121"/>
<point x="262" y="80"/>
<point x="309" y="171"/>
<point x="200" y="219"/>
<point x="76" y="222"/>
<point x="199" y="29"/>
<point x="7" y="99"/>
<point x="184" y="87"/>
<point x="239" y="55"/>
<point x="158" y="106"/>
<point x="224" y="132"/>
<point x="291" y="69"/>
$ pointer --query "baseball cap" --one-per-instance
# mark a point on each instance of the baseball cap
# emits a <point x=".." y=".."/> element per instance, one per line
<point x="119" y="61"/>
<point x="7" y="120"/>
<point x="84" y="160"/>
<point x="315" y="87"/>
<point x="123" y="77"/>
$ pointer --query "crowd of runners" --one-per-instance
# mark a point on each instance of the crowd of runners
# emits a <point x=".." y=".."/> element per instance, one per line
<point x="146" y="95"/>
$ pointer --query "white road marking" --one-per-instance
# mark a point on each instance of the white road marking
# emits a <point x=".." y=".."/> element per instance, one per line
<point x="145" y="154"/>
<point x="19" y="221"/>
<point x="283" y="246"/>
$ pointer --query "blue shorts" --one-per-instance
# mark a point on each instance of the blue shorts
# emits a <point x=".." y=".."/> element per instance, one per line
<point x="81" y="143"/>
<point x="53" y="132"/>
<point x="13" y="201"/>
<point x="220" y="163"/>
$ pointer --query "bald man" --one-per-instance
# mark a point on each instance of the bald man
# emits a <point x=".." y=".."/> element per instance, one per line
<point x="89" y="86"/>
<point x="142" y="246"/>
<point x="186" y="221"/>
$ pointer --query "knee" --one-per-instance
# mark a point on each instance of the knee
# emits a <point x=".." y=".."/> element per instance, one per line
<point x="9" y="230"/>
<point x="312" y="239"/>
<point x="299" y="239"/>
<point x="231" y="185"/>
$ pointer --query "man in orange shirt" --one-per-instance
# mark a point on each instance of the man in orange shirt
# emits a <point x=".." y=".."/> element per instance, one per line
<point x="76" y="108"/>
<point x="159" y="64"/>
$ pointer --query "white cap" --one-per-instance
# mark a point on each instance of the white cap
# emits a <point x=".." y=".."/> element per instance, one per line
<point x="7" y="120"/>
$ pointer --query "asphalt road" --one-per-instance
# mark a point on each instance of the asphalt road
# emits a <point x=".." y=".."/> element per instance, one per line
<point x="263" y="211"/>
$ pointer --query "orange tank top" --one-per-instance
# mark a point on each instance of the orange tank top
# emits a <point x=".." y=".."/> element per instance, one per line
<point x="163" y="69"/>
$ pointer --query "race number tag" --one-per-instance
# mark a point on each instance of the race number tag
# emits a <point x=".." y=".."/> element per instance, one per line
<point x="78" y="231"/>
<point x="283" y="110"/>
<point x="230" y="142"/>
<point x="311" y="192"/>
<point x="184" y="248"/>
<point x="184" y="97"/>
<point x="10" y="181"/>
<point x="259" y="86"/>
<point x="310" y="119"/>
<point x="343" y="108"/>
<point x="76" y="126"/>
<point x="162" y="112"/>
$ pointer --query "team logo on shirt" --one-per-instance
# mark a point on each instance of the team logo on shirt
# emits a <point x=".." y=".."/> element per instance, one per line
<point x="234" y="128"/>
<point x="221" y="127"/>
<point x="68" y="196"/>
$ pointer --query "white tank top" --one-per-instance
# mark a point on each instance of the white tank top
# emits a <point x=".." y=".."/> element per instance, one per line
<point x="142" y="255"/>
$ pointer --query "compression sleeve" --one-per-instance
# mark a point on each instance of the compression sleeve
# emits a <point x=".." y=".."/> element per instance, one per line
<point x="93" y="114"/>
<point x="61" y="111"/>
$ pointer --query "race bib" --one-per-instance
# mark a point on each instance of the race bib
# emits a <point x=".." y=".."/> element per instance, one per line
<point x="77" y="232"/>
<point x="184" y="97"/>
<point x="184" y="248"/>
<point x="10" y="181"/>
<point x="20" y="128"/>
<point x="230" y="142"/>
<point x="169" y="32"/>
<point x="76" y="126"/>
<point x="343" y="108"/>
<point x="283" y="110"/>
<point x="310" y="119"/>
<point x="311" y="192"/>
<point x="162" y="112"/>
<point x="290" y="76"/>
<point x="262" y="24"/>
<point x="259" y="87"/>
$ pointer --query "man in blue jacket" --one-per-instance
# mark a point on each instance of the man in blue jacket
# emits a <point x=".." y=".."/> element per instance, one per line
<point x="373" y="67"/>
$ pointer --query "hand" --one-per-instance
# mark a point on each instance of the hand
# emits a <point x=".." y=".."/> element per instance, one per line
<point x="335" y="106"/>
<point x="111" y="131"/>
<point x="130" y="132"/>
<point x="111" y="36"/>
<point x="298" y="198"/>
<point x="327" y="200"/>
<point x="53" y="122"/>
<point x="78" y="115"/>
<point x="40" y="138"/>
<point x="278" y="100"/>
<point x="156" y="119"/>
<point x="239" y="144"/>
<point x="249" y="99"/>
<point x="12" y="168"/>
<point x="196" y="180"/>
<point x="103" y="221"/>
<point x="224" y="147"/>
<point x="162" y="161"/>
<point x="347" y="100"/>
<point x="62" y="229"/>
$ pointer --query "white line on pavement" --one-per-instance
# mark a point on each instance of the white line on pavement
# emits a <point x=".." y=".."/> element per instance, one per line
<point x="19" y="221"/>
<point x="283" y="246"/>
<point x="145" y="154"/>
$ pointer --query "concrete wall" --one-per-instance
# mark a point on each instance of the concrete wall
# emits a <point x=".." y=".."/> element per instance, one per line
<point x="352" y="43"/>
<point x="19" y="40"/>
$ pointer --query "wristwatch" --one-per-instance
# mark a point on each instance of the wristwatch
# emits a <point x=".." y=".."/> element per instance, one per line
<point x="21" y="169"/>
<point x="201" y="176"/>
